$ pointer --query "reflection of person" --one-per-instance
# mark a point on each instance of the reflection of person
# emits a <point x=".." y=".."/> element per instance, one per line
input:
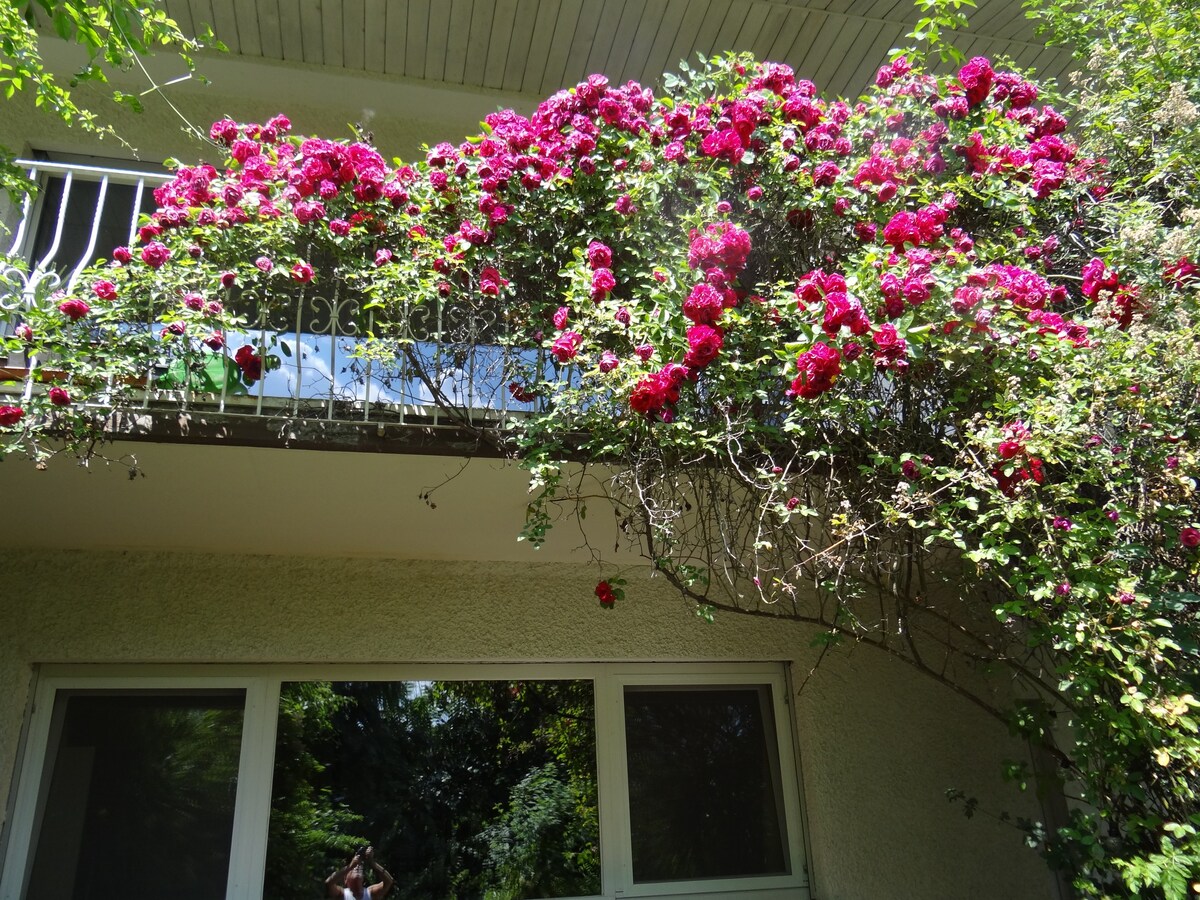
<point x="347" y="882"/>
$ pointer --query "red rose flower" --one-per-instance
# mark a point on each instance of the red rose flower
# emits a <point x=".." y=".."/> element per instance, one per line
<point x="606" y="594"/>
<point x="59" y="396"/>
<point x="105" y="290"/>
<point x="1189" y="537"/>
<point x="976" y="78"/>
<point x="10" y="415"/>
<point x="74" y="309"/>
<point x="566" y="346"/>
<point x="599" y="256"/>
<point x="819" y="368"/>
<point x="704" y="343"/>
<point x="155" y="254"/>
<point x="250" y="363"/>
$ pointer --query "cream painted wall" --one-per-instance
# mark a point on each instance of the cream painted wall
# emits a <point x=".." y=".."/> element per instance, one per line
<point x="878" y="745"/>
<point x="402" y="113"/>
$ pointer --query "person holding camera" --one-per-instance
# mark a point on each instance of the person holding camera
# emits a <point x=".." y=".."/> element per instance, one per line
<point x="347" y="882"/>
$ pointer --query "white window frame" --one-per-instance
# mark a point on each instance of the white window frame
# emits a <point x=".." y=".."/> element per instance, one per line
<point x="252" y="806"/>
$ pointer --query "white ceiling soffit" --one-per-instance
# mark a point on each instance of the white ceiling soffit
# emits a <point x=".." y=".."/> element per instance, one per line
<point x="536" y="47"/>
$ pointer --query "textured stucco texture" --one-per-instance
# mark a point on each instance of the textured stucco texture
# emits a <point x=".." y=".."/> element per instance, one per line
<point x="878" y="746"/>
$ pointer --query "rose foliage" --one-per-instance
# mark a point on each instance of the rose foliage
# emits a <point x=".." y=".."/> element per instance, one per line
<point x="885" y="367"/>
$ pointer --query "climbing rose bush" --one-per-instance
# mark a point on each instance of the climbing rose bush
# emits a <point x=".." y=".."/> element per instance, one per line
<point x="864" y="365"/>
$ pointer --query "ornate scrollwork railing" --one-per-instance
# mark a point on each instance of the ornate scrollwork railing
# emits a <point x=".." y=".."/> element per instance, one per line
<point x="450" y="362"/>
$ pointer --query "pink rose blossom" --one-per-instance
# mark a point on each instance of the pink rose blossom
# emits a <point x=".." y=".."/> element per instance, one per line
<point x="155" y="254"/>
<point x="566" y="346"/>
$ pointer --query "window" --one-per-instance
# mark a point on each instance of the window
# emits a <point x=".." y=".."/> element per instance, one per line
<point x="496" y="781"/>
<point x="85" y="208"/>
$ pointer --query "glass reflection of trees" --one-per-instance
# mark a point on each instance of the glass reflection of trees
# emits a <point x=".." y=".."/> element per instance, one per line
<point x="141" y="797"/>
<point x="703" y="791"/>
<point x="466" y="789"/>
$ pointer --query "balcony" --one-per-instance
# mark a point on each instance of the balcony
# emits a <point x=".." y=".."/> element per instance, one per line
<point x="450" y="369"/>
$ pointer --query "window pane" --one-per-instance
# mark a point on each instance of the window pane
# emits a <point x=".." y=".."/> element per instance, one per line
<point x="465" y="789"/>
<point x="115" y="219"/>
<point x="138" y="796"/>
<point x="704" y="795"/>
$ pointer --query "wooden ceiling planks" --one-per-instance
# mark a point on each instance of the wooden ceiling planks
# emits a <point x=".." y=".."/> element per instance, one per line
<point x="269" y="31"/>
<point x="354" y="30"/>
<point x="520" y="43"/>
<point x="312" y="34"/>
<point x="457" y="41"/>
<point x="375" y="14"/>
<point x="417" y="38"/>
<point x="535" y="47"/>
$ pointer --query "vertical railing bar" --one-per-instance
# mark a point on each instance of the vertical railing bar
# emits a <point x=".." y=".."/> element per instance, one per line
<point x="138" y="191"/>
<point x="334" y="311"/>
<point x="68" y="180"/>
<point x="407" y="336"/>
<point x="86" y="257"/>
<point x="227" y="298"/>
<point x="437" y="362"/>
<point x="26" y="208"/>
<point x="367" y="370"/>
<point x="504" y="360"/>
<point x="470" y="399"/>
<point x="262" y="356"/>
<point x="150" y="364"/>
<point x="224" y="377"/>
<point x="299" y="364"/>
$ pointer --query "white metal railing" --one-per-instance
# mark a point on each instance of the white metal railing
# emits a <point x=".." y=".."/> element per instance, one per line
<point x="315" y="336"/>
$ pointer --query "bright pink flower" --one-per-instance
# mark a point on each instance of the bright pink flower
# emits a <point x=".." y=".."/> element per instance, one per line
<point x="490" y="282"/>
<point x="603" y="281"/>
<point x="608" y="361"/>
<point x="561" y="316"/>
<point x="599" y="256"/>
<point x="105" y="290"/>
<point x="976" y="78"/>
<point x="819" y="367"/>
<point x="155" y="254"/>
<point x="704" y="304"/>
<point x="302" y="272"/>
<point x="704" y="343"/>
<point x="653" y="392"/>
<point x="383" y="256"/>
<point x="264" y="264"/>
<point x="566" y="346"/>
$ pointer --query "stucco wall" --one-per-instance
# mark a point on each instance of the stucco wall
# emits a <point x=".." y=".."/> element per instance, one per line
<point x="878" y="745"/>
<point x="401" y="113"/>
